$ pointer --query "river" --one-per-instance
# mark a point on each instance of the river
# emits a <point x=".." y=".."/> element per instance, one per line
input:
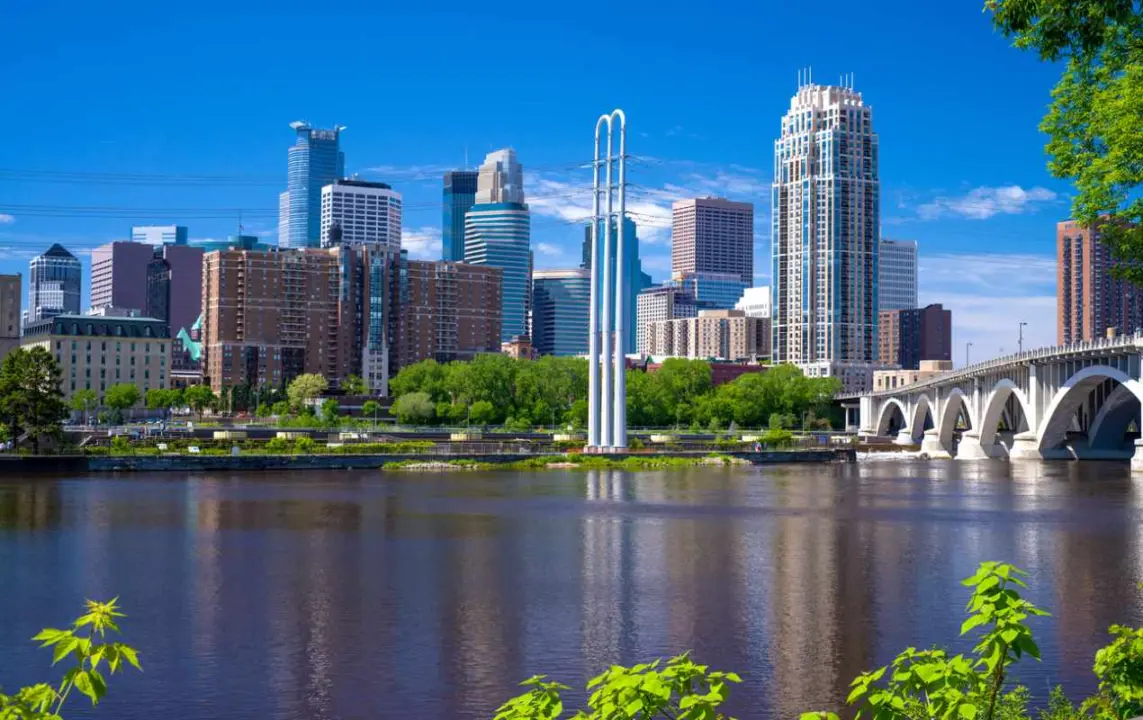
<point x="356" y="595"/>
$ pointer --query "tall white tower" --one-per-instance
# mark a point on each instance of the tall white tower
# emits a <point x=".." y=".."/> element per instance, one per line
<point x="824" y="237"/>
<point x="607" y="361"/>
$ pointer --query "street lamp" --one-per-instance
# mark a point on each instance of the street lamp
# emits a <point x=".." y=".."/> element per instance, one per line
<point x="967" y="345"/>
<point x="1020" y="342"/>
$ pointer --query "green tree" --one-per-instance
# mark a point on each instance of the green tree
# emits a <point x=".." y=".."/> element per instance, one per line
<point x="1096" y="111"/>
<point x="414" y="408"/>
<point x="678" y="689"/>
<point x="306" y="387"/>
<point x="121" y="396"/>
<point x="199" y="398"/>
<point x="329" y="410"/>
<point x="280" y="408"/>
<point x="481" y="412"/>
<point x="353" y="385"/>
<point x="427" y="376"/>
<point x="85" y="642"/>
<point x="262" y="411"/>
<point x="30" y="398"/>
<point x="370" y="409"/>
<point x="84" y="400"/>
<point x="158" y="399"/>
<point x="304" y="445"/>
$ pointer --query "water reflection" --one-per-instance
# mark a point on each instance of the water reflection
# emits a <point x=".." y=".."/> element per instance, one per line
<point x="352" y="595"/>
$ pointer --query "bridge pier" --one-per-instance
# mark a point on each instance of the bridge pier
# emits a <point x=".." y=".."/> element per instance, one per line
<point x="931" y="446"/>
<point x="904" y="437"/>
<point x="1137" y="458"/>
<point x="1025" y="446"/>
<point x="970" y="447"/>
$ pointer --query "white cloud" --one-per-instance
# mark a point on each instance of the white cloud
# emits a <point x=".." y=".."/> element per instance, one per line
<point x="989" y="296"/>
<point x="6" y="219"/>
<point x="547" y="249"/>
<point x="422" y="243"/>
<point x="411" y="173"/>
<point x="984" y="202"/>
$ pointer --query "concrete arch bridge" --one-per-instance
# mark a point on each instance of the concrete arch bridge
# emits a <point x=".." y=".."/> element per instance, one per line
<point x="1078" y="401"/>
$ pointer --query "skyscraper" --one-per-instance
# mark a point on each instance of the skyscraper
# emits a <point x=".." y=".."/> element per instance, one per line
<point x="907" y="337"/>
<point x="665" y="302"/>
<point x="159" y="234"/>
<point x="459" y="196"/>
<point x="158" y="289"/>
<point x="315" y="160"/>
<point x="713" y="235"/>
<point x="897" y="275"/>
<point x="634" y="282"/>
<point x="119" y="275"/>
<point x="356" y="212"/>
<point x="561" y="300"/>
<point x="824" y="236"/>
<point x="55" y="282"/>
<point x="1089" y="299"/>
<point x="497" y="233"/>
<point x="711" y="290"/>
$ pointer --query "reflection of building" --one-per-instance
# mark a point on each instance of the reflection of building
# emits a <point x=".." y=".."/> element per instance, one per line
<point x="55" y="280"/>
<point x="459" y="196"/>
<point x="897" y="275"/>
<point x="1090" y="300"/>
<point x="906" y="337"/>
<point x="713" y="235"/>
<point x="825" y="236"/>
<point x="11" y="290"/>
<point x="448" y="311"/>
<point x="498" y="234"/>
<point x="713" y="334"/>
<point x="95" y="352"/>
<point x="356" y="211"/>
<point x="560" y="309"/>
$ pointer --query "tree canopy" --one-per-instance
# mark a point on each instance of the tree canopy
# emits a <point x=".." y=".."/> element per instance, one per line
<point x="121" y="396"/>
<point x="1093" y="123"/>
<point x="306" y="387"/>
<point x="30" y="397"/>
<point x="199" y="398"/>
<point x="496" y="389"/>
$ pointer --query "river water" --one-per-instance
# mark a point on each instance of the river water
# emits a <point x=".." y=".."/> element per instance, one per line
<point x="357" y="595"/>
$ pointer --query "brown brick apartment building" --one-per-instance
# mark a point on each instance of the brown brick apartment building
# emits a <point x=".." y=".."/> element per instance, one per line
<point x="448" y="311"/>
<point x="1089" y="300"/>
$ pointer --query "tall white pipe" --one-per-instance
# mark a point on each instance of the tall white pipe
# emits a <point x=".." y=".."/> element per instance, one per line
<point x="608" y="295"/>
<point x="619" y="424"/>
<point x="593" y="408"/>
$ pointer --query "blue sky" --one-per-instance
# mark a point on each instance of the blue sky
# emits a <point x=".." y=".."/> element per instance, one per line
<point x="208" y="89"/>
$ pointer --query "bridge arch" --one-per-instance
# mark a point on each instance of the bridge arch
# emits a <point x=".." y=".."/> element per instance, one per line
<point x="922" y="409"/>
<point x="995" y="406"/>
<point x="1074" y="393"/>
<point x="1117" y="413"/>
<point x="955" y="402"/>
<point x="885" y="416"/>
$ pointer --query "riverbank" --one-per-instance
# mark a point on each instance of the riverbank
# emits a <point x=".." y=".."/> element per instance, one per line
<point x="62" y="464"/>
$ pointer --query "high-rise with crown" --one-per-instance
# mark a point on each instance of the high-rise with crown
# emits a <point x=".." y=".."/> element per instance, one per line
<point x="315" y="160"/>
<point x="497" y="233"/>
<point x="55" y="281"/>
<point x="824" y="236"/>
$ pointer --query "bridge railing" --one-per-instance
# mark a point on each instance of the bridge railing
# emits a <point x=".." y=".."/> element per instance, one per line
<point x="1118" y="342"/>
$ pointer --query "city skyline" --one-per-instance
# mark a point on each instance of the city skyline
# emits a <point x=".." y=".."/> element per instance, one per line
<point x="964" y="200"/>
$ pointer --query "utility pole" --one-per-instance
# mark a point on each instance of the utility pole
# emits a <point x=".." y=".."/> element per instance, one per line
<point x="1021" y="339"/>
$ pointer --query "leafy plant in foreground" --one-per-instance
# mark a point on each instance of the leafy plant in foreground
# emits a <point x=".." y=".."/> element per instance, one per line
<point x="84" y="642"/>
<point x="679" y="689"/>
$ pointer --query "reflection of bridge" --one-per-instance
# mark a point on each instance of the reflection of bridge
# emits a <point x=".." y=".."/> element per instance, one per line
<point x="1075" y="401"/>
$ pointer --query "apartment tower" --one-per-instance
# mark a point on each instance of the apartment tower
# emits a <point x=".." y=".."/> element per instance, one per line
<point x="713" y="235"/>
<point x="1090" y="300"/>
<point x="825" y="236"/>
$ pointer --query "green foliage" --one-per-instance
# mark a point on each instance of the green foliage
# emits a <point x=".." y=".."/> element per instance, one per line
<point x="329" y="410"/>
<point x="199" y="398"/>
<point x="414" y="408"/>
<point x="84" y="399"/>
<point x="677" y="689"/>
<point x="262" y="411"/>
<point x="121" y="396"/>
<point x="85" y="643"/>
<point x="160" y="399"/>
<point x="304" y="445"/>
<point x="120" y="445"/>
<point x="30" y="398"/>
<point x="306" y="387"/>
<point x="481" y="412"/>
<point x="1119" y="667"/>
<point x="353" y="385"/>
<point x="1096" y="111"/>
<point x="280" y="408"/>
<point x="370" y="408"/>
<point x="777" y="437"/>
<point x="277" y="446"/>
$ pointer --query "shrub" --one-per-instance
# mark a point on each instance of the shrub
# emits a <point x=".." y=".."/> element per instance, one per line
<point x="120" y="445"/>
<point x="278" y="445"/>
<point x="304" y="446"/>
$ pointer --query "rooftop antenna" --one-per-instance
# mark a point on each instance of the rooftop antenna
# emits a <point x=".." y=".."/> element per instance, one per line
<point x="466" y="156"/>
<point x="240" y="222"/>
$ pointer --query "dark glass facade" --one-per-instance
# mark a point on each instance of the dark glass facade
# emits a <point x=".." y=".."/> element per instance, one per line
<point x="459" y="196"/>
